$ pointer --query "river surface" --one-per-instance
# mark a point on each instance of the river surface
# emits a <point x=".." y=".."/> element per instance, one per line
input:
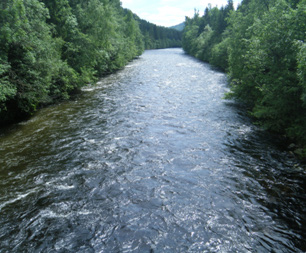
<point x="150" y="159"/>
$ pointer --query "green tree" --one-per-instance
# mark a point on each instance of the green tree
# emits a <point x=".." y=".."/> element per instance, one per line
<point x="267" y="70"/>
<point x="219" y="54"/>
<point x="134" y="39"/>
<point x="262" y="46"/>
<point x="203" y="44"/>
<point x="28" y="59"/>
<point x="203" y="34"/>
<point x="190" y="33"/>
<point x="50" y="48"/>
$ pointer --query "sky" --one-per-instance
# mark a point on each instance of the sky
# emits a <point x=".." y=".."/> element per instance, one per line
<point x="170" y="12"/>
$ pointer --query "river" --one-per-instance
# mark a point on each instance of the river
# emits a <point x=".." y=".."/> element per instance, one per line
<point x="150" y="159"/>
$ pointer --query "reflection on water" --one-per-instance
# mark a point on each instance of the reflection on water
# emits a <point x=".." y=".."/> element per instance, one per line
<point x="151" y="159"/>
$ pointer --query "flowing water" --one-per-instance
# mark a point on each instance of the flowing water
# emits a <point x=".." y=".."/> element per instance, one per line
<point x="150" y="159"/>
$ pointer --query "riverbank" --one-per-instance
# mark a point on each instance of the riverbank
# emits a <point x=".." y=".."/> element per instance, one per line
<point x="50" y="50"/>
<point x="262" y="48"/>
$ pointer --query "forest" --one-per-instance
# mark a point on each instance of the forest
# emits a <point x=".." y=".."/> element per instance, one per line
<point x="49" y="49"/>
<point x="156" y="37"/>
<point x="261" y="45"/>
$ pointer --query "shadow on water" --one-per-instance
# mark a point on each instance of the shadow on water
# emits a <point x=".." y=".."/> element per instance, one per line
<point x="278" y="181"/>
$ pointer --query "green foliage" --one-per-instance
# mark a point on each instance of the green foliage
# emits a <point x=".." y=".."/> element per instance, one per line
<point x="219" y="54"/>
<point x="203" y="36"/>
<point x="301" y="58"/>
<point x="180" y="27"/>
<point x="133" y="44"/>
<point x="51" y="48"/>
<point x="203" y="44"/>
<point x="156" y="37"/>
<point x="270" y="78"/>
<point x="7" y="90"/>
<point x="190" y="34"/>
<point x="263" y="48"/>
<point x="29" y="56"/>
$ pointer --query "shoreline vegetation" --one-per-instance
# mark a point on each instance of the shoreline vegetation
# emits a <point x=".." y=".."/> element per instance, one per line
<point x="50" y="49"/>
<point x="261" y="46"/>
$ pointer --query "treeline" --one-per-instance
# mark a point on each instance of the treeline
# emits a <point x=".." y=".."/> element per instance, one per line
<point x="203" y="35"/>
<point x="49" y="49"/>
<point x="262" y="47"/>
<point x="156" y="37"/>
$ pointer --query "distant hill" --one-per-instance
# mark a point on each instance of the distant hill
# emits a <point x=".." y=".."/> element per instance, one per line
<point x="180" y="27"/>
<point x="156" y="37"/>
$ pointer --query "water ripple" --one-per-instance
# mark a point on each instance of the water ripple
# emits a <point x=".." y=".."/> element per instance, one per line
<point x="150" y="159"/>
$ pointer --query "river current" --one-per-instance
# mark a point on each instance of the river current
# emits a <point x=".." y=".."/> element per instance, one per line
<point x="149" y="159"/>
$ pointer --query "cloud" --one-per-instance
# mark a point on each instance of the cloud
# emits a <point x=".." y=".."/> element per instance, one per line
<point x="165" y="15"/>
<point x="169" y="12"/>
